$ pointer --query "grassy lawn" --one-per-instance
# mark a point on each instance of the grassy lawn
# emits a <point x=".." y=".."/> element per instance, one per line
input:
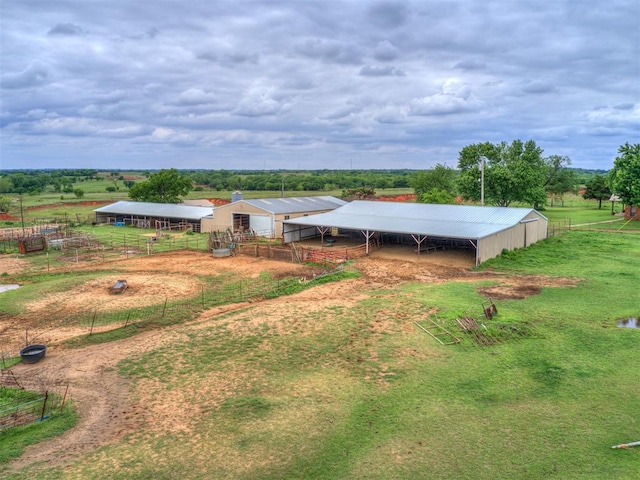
<point x="15" y="440"/>
<point x="369" y="395"/>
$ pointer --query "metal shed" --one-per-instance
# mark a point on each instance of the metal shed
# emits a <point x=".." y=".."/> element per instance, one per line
<point x="488" y="230"/>
<point x="265" y="215"/>
<point x="153" y="215"/>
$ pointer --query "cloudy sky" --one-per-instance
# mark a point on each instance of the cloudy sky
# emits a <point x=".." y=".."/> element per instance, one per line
<point x="312" y="84"/>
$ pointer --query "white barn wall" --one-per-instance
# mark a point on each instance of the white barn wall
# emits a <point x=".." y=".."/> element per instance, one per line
<point x="530" y="230"/>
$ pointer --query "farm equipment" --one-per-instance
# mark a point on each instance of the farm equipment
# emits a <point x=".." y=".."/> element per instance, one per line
<point x="119" y="287"/>
<point x="490" y="310"/>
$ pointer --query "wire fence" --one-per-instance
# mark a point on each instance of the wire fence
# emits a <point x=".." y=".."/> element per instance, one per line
<point x="20" y="406"/>
<point x="223" y="291"/>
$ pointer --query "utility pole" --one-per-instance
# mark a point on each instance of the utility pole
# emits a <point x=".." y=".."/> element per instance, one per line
<point x="483" y="160"/>
<point x="21" y="215"/>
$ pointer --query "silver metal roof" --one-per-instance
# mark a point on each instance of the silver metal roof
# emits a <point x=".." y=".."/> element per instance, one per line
<point x="295" y="204"/>
<point x="451" y="221"/>
<point x="165" y="210"/>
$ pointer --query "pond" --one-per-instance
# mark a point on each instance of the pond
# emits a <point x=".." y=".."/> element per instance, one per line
<point x="631" y="322"/>
<point x="7" y="287"/>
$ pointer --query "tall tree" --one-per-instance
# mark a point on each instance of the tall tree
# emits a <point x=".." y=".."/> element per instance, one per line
<point x="625" y="176"/>
<point x="436" y="182"/>
<point x="597" y="189"/>
<point x="513" y="172"/>
<point x="165" y="186"/>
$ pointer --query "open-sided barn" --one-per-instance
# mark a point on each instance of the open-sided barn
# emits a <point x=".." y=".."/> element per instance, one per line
<point x="265" y="215"/>
<point x="154" y="215"/>
<point x="487" y="230"/>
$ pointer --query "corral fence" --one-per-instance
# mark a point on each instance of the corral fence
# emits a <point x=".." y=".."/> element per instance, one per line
<point x="22" y="406"/>
<point x="558" y="227"/>
<point x="608" y="226"/>
<point x="60" y="246"/>
<point x="294" y="252"/>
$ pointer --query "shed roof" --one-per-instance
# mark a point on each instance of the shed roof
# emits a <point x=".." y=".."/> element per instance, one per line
<point x="294" y="204"/>
<point x="148" y="209"/>
<point x="450" y="221"/>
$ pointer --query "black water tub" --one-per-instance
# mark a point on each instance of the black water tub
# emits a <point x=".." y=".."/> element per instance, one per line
<point x="33" y="353"/>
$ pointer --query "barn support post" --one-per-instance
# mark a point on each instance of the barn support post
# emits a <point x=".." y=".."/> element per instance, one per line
<point x="475" y="245"/>
<point x="322" y="231"/>
<point x="367" y="236"/>
<point x="419" y="241"/>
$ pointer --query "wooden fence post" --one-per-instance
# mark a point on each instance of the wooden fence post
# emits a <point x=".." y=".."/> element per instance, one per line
<point x="44" y="404"/>
<point x="93" y="321"/>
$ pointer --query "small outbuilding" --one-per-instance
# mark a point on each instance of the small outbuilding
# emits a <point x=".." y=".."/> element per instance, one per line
<point x="487" y="230"/>
<point x="159" y="216"/>
<point x="265" y="216"/>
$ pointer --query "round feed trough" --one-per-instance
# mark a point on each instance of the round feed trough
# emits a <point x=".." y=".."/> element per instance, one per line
<point x="221" y="252"/>
<point x="33" y="353"/>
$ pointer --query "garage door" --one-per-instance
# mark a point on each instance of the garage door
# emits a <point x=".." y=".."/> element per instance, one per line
<point x="262" y="225"/>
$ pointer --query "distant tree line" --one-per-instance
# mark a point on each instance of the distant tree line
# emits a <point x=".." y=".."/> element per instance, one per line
<point x="501" y="174"/>
<point x="300" y="181"/>
<point x="37" y="181"/>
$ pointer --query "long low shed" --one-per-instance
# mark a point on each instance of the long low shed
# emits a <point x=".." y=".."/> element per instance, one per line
<point x="489" y="230"/>
<point x="153" y="215"/>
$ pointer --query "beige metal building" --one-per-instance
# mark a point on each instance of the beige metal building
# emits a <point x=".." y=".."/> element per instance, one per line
<point x="486" y="230"/>
<point x="265" y="216"/>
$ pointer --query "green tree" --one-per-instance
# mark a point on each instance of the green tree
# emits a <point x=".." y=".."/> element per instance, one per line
<point x="5" y="204"/>
<point x="625" y="176"/>
<point x="436" y="195"/>
<point x="597" y="189"/>
<point x="78" y="192"/>
<point x="558" y="178"/>
<point x="129" y="183"/>
<point x="165" y="186"/>
<point x="512" y="173"/>
<point x="441" y="179"/>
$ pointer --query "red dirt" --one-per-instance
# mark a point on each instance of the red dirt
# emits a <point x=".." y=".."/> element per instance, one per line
<point x="406" y="197"/>
<point x="92" y="203"/>
<point x="219" y="201"/>
<point x="8" y="216"/>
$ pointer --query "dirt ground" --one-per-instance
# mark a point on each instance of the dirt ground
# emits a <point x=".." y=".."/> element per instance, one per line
<point x="103" y="399"/>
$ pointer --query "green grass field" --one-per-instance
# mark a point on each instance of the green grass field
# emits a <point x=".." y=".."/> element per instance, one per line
<point x="329" y="393"/>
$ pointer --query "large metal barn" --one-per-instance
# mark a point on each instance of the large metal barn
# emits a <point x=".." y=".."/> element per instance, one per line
<point x="488" y="231"/>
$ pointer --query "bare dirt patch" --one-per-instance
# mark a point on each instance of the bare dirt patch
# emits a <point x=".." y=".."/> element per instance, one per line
<point x="11" y="264"/>
<point x="518" y="288"/>
<point x="143" y="290"/>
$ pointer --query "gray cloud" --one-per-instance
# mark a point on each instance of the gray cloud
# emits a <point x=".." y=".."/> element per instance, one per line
<point x="35" y="74"/>
<point x="389" y="14"/>
<point x="308" y="84"/>
<point x="375" y="71"/>
<point x="66" y="29"/>
<point x="385" y="51"/>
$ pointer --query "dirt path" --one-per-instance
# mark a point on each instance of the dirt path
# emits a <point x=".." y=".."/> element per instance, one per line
<point x="100" y="395"/>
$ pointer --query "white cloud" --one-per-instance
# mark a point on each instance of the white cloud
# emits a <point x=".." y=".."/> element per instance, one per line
<point x="454" y="97"/>
<point x="195" y="96"/>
